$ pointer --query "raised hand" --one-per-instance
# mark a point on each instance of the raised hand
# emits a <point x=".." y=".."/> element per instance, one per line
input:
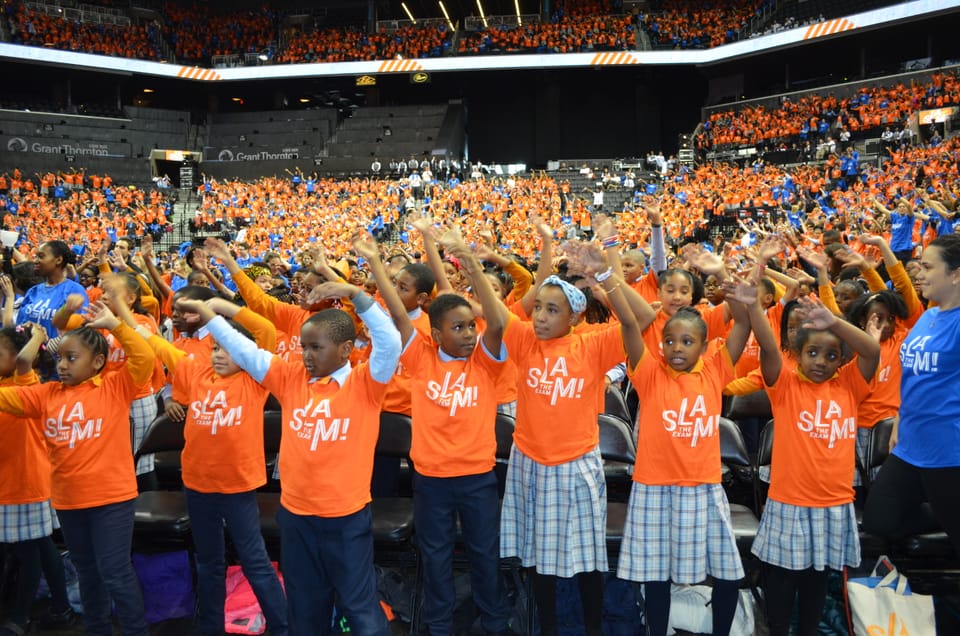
<point x="851" y="258"/>
<point x="652" y="206"/>
<point x="116" y="262"/>
<point x="99" y="316"/>
<point x="328" y="290"/>
<point x="6" y="287"/>
<point x="705" y="261"/>
<point x="873" y="327"/>
<point x="771" y="247"/>
<point x="603" y="226"/>
<point x="146" y="247"/>
<point x="364" y="246"/>
<point x="817" y="259"/>
<point x="817" y="315"/>
<point x="740" y="290"/>
<point x="74" y="302"/>
<point x="213" y="247"/>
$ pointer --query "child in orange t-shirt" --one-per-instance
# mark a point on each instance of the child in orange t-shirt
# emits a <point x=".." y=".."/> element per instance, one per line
<point x="26" y="516"/>
<point x="331" y="422"/>
<point x="554" y="506"/>
<point x="808" y="524"/>
<point x="454" y="410"/>
<point x="678" y="527"/>
<point x="223" y="464"/>
<point x="87" y="427"/>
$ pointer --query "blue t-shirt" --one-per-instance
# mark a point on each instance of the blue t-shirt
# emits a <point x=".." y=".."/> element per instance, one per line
<point x="42" y="301"/>
<point x="901" y="232"/>
<point x="929" y="433"/>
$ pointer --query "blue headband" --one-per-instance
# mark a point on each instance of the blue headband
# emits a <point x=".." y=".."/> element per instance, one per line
<point x="578" y="302"/>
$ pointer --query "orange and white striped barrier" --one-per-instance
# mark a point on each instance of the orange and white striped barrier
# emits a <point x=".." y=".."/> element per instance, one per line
<point x="399" y="66"/>
<point x="197" y="73"/>
<point x="613" y="58"/>
<point x="829" y="27"/>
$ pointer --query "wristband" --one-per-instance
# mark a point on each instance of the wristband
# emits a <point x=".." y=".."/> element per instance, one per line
<point x="610" y="241"/>
<point x="657" y="225"/>
<point x="604" y="275"/>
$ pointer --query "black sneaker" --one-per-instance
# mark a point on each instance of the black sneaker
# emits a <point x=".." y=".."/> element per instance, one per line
<point x="57" y="620"/>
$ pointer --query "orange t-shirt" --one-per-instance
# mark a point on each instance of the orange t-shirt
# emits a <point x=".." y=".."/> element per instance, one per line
<point x="24" y="465"/>
<point x="223" y="434"/>
<point x="884" y="400"/>
<point x="329" y="437"/>
<point x="87" y="428"/>
<point x="648" y="286"/>
<point x="560" y="378"/>
<point x="678" y="441"/>
<point x="717" y="327"/>
<point x="454" y="405"/>
<point x="397" y="398"/>
<point x="287" y="318"/>
<point x="815" y="437"/>
<point x="750" y="357"/>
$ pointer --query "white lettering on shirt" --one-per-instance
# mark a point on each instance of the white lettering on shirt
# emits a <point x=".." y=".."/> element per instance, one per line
<point x="453" y="394"/>
<point x="553" y="380"/>
<point x="72" y="427"/>
<point x="691" y="422"/>
<point x="313" y="422"/>
<point x="914" y="356"/>
<point x="829" y="424"/>
<point x="214" y="411"/>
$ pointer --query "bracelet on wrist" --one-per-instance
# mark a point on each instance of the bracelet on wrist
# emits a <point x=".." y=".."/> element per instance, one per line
<point x="610" y="241"/>
<point x="612" y="289"/>
<point x="604" y="275"/>
<point x="656" y="225"/>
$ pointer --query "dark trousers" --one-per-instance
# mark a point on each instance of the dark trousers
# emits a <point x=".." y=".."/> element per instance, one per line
<point x="99" y="540"/>
<point x="437" y="502"/>
<point x="34" y="556"/>
<point x="893" y="507"/>
<point x="208" y="513"/>
<point x="322" y="557"/>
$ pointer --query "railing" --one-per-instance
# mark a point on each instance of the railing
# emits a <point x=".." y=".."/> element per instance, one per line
<point x="391" y="26"/>
<point x="475" y="23"/>
<point x="82" y="13"/>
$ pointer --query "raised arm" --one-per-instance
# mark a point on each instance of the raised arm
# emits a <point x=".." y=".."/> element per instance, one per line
<point x="9" y="297"/>
<point x="367" y="249"/>
<point x="140" y="356"/>
<point x="494" y="311"/>
<point x="544" y="266"/>
<point x="865" y="345"/>
<point x="146" y="251"/>
<point x="424" y="225"/>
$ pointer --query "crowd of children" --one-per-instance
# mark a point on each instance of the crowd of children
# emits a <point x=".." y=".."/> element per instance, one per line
<point x="349" y="329"/>
<point x="196" y="33"/>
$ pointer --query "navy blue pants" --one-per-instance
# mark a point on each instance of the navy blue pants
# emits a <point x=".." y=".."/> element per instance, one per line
<point x="208" y="513"/>
<point x="436" y="503"/>
<point x="322" y="557"/>
<point x="99" y="540"/>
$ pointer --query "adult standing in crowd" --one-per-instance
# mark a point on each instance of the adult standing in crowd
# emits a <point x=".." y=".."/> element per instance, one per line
<point x="924" y="464"/>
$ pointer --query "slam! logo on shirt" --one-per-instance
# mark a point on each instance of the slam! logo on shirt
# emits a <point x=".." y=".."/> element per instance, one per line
<point x="313" y="422"/>
<point x="829" y="424"/>
<point x="215" y="412"/>
<point x="72" y="427"/>
<point x="691" y="422"/>
<point x="553" y="380"/>
<point x="914" y="356"/>
<point x="453" y="395"/>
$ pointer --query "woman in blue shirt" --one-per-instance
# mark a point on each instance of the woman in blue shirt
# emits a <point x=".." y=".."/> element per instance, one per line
<point x="924" y="464"/>
<point x="43" y="300"/>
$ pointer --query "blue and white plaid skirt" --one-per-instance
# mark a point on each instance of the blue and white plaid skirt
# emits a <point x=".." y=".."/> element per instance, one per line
<point x="678" y="533"/>
<point x="142" y="413"/>
<point x="24" y="522"/>
<point x="800" y="537"/>
<point x="554" y="518"/>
